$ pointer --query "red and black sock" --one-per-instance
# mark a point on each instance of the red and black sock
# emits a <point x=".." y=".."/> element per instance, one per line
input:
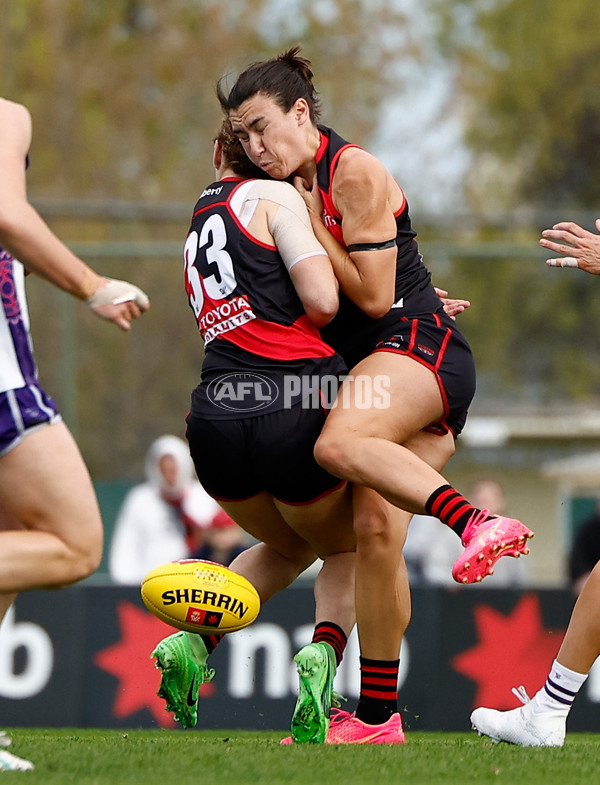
<point x="211" y="642"/>
<point x="328" y="632"/>
<point x="451" y="508"/>
<point x="378" y="690"/>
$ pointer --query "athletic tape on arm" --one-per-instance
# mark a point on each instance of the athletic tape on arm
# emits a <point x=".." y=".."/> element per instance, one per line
<point x="290" y="226"/>
<point x="294" y="239"/>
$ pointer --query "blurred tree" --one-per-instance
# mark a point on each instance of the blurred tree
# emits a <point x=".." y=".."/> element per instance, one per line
<point x="122" y="96"/>
<point x="124" y="109"/>
<point x="533" y="331"/>
<point x="122" y="93"/>
<point x="527" y="85"/>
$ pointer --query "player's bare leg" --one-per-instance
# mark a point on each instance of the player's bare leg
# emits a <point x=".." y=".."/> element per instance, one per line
<point x="381" y="532"/>
<point x="284" y="552"/>
<point x="382" y="598"/>
<point x="50" y="524"/>
<point x="334" y="591"/>
<point x="326" y="525"/>
<point x="368" y="446"/>
<point x="270" y="566"/>
<point x="542" y="721"/>
<point x="581" y="645"/>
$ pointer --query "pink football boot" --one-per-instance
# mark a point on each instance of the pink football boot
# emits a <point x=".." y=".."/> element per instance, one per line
<point x="346" y="729"/>
<point x="486" y="540"/>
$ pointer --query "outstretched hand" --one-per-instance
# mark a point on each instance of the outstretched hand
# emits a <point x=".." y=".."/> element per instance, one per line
<point x="582" y="249"/>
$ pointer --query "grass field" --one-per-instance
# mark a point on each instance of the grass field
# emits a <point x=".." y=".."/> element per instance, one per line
<point x="102" y="757"/>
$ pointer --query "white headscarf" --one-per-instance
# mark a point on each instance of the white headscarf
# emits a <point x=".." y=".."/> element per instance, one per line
<point x="169" y="445"/>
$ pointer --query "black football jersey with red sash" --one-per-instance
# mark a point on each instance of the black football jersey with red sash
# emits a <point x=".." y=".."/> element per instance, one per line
<point x="258" y="339"/>
<point x="352" y="333"/>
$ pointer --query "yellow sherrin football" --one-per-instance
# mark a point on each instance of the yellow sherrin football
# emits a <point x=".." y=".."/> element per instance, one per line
<point x="200" y="596"/>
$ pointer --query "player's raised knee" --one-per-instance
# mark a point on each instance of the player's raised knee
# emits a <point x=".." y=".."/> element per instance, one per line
<point x="332" y="452"/>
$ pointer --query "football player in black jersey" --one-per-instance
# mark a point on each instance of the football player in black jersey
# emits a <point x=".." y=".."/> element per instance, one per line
<point x="392" y="331"/>
<point x="254" y="273"/>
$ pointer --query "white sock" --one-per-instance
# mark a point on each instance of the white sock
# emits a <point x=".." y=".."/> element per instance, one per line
<point x="560" y="689"/>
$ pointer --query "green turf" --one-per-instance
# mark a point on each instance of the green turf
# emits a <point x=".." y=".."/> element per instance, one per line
<point x="98" y="757"/>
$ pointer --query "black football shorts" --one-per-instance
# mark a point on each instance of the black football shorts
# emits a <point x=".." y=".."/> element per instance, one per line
<point x="237" y="459"/>
<point x="436" y="342"/>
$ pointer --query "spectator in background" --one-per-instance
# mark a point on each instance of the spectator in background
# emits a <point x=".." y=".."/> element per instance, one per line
<point x="585" y="552"/>
<point x="163" y="519"/>
<point x="431" y="550"/>
<point x="223" y="540"/>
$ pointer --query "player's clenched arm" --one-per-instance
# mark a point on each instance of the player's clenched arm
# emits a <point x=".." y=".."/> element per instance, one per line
<point x="316" y="285"/>
<point x="304" y="257"/>
<point x="367" y="269"/>
<point x="26" y="236"/>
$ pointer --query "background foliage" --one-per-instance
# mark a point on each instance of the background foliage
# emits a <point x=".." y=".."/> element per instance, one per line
<point x="527" y="76"/>
<point x="122" y="98"/>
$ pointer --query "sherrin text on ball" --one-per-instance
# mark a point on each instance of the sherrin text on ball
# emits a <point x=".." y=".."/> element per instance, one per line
<point x="200" y="596"/>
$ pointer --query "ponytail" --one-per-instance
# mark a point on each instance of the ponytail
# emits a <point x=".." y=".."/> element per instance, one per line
<point x="284" y="78"/>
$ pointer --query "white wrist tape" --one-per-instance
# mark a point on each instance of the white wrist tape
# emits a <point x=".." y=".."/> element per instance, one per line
<point x="116" y="292"/>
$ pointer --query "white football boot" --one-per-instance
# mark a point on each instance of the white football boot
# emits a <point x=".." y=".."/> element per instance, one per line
<point x="10" y="762"/>
<point x="522" y="726"/>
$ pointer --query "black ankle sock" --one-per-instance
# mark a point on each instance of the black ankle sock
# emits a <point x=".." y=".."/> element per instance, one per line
<point x="211" y="642"/>
<point x="328" y="632"/>
<point x="378" y="690"/>
<point x="451" y="508"/>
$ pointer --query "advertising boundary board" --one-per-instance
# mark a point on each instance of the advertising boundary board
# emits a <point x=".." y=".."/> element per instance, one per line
<point x="80" y="657"/>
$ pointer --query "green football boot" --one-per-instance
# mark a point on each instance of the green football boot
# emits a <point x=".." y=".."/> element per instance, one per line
<point x="316" y="666"/>
<point x="181" y="658"/>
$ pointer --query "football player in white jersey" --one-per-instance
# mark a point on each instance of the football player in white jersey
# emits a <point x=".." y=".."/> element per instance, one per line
<point x="50" y="524"/>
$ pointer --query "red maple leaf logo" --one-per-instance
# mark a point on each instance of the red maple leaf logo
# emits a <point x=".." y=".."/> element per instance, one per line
<point x="512" y="650"/>
<point x="129" y="661"/>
